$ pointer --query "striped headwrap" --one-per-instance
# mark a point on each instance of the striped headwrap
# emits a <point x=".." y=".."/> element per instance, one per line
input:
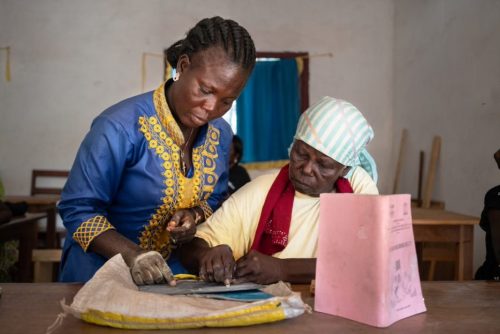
<point x="339" y="130"/>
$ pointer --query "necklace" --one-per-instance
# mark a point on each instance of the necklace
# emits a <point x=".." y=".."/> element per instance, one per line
<point x="183" y="162"/>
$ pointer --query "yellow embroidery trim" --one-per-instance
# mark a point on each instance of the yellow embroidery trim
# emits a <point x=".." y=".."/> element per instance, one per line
<point x="90" y="229"/>
<point x="166" y="117"/>
<point x="207" y="210"/>
<point x="164" y="138"/>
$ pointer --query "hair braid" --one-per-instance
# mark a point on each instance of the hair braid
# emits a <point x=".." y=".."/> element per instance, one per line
<point x="216" y="31"/>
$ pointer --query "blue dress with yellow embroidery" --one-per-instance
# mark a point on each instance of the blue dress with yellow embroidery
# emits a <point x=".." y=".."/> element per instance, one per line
<point x="127" y="176"/>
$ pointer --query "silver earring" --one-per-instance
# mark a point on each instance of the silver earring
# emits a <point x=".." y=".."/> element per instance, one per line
<point x="176" y="77"/>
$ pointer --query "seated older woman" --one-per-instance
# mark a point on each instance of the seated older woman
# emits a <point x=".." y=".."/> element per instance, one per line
<point x="268" y="230"/>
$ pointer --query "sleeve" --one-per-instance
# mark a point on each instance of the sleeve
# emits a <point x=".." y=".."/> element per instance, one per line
<point x="235" y="222"/>
<point x="94" y="180"/>
<point x="362" y="183"/>
<point x="226" y="227"/>
<point x="220" y="192"/>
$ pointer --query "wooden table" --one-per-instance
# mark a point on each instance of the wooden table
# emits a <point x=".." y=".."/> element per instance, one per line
<point x="452" y="307"/>
<point x="434" y="225"/>
<point x="42" y="203"/>
<point x="25" y="230"/>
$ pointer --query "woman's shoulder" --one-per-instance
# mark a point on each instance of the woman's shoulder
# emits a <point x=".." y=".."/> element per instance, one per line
<point x="361" y="182"/>
<point x="132" y="107"/>
<point x="125" y="114"/>
<point x="224" y="130"/>
<point x="492" y="197"/>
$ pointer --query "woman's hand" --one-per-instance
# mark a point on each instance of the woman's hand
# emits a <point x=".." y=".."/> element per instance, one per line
<point x="182" y="226"/>
<point x="148" y="268"/>
<point x="259" y="268"/>
<point x="217" y="265"/>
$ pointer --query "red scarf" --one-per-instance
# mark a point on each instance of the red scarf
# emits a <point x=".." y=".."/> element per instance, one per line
<point x="274" y="223"/>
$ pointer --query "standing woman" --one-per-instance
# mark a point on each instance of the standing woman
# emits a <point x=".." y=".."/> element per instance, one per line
<point x="154" y="166"/>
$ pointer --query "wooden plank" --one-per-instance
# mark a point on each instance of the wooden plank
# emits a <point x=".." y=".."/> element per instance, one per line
<point x="399" y="164"/>
<point x="431" y="172"/>
<point x="421" y="162"/>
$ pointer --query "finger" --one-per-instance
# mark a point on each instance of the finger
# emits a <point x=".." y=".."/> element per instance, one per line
<point x="202" y="274"/>
<point x="136" y="276"/>
<point x="167" y="274"/>
<point x="186" y="236"/>
<point x="243" y="269"/>
<point x="163" y="269"/>
<point x="147" y="276"/>
<point x="229" y="267"/>
<point x="155" y="270"/>
<point x="209" y="271"/>
<point x="174" y="221"/>
<point x="171" y="225"/>
<point x="157" y="275"/>
<point x="219" y="272"/>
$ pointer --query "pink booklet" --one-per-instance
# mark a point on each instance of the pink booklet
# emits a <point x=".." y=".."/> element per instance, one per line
<point x="367" y="267"/>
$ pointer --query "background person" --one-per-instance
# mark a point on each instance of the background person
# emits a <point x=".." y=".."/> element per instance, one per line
<point x="490" y="223"/>
<point x="238" y="175"/>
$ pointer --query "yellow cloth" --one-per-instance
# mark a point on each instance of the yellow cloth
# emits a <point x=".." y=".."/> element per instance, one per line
<point x="235" y="223"/>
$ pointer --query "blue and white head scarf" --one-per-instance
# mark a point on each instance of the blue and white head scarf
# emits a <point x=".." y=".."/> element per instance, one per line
<point x="337" y="129"/>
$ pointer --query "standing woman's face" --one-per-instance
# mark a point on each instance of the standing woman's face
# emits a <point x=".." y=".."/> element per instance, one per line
<point x="208" y="84"/>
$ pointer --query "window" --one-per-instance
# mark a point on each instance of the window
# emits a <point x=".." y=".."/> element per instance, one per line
<point x="270" y="104"/>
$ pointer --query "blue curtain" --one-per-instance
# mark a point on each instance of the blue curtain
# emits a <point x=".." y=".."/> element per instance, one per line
<point x="268" y="110"/>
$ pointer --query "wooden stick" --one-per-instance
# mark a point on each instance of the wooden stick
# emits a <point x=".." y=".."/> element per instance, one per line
<point x="431" y="173"/>
<point x="402" y="149"/>
<point x="421" y="163"/>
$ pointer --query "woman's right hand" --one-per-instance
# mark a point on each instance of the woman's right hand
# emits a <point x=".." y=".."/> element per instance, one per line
<point x="148" y="268"/>
<point x="217" y="265"/>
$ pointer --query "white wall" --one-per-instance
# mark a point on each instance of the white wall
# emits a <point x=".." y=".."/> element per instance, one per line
<point x="72" y="59"/>
<point x="447" y="83"/>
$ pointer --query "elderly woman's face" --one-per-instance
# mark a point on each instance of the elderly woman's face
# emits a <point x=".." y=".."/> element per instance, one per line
<point x="208" y="84"/>
<point x="312" y="172"/>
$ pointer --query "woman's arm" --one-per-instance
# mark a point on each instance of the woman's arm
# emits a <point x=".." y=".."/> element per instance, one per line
<point x="93" y="181"/>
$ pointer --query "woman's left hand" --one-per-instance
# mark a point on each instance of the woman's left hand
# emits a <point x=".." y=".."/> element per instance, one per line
<point x="259" y="268"/>
<point x="182" y="226"/>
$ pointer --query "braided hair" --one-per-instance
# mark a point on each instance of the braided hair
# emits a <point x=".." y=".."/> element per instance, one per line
<point x="216" y="31"/>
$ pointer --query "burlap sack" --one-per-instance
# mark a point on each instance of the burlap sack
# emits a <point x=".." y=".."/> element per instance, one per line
<point x="111" y="298"/>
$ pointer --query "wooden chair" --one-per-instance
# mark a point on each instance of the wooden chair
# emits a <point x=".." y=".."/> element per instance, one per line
<point x="42" y="183"/>
<point x="38" y="174"/>
<point x="44" y="262"/>
<point x="435" y="253"/>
